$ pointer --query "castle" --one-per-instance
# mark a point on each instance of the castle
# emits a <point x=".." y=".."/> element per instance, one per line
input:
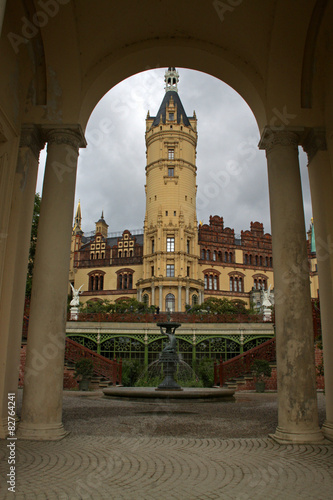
<point x="174" y="262"/>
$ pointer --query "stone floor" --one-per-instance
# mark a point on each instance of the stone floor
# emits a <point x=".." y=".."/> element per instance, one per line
<point x="127" y="450"/>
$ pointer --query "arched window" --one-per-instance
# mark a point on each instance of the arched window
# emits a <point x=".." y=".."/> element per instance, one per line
<point x="225" y="256"/>
<point x="211" y="279"/>
<point x="220" y="256"/>
<point x="230" y="257"/>
<point x="256" y="260"/>
<point x="214" y="256"/>
<point x="246" y="259"/>
<point x="203" y="254"/>
<point x="236" y="282"/>
<point x="96" y="281"/>
<point x="250" y="260"/>
<point x="266" y="261"/>
<point x="194" y="300"/>
<point x="170" y="302"/>
<point x="125" y="279"/>
<point x="260" y="260"/>
<point x="208" y="255"/>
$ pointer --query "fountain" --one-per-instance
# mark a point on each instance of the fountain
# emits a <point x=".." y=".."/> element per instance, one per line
<point x="168" y="389"/>
<point x="169" y="357"/>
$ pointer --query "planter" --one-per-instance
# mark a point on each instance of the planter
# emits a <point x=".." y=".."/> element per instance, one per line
<point x="84" y="384"/>
<point x="260" y="386"/>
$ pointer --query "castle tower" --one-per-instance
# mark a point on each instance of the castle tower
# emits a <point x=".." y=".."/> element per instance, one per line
<point x="171" y="251"/>
<point x="102" y="227"/>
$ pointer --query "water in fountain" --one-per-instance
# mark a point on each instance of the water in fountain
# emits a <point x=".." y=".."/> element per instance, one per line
<point x="152" y="376"/>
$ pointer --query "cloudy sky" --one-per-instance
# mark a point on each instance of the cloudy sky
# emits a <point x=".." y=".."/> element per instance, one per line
<point x="232" y="175"/>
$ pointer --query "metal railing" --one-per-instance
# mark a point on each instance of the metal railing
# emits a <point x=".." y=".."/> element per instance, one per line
<point x="103" y="367"/>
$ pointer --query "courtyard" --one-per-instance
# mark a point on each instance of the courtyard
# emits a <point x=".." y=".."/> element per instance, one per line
<point x="130" y="450"/>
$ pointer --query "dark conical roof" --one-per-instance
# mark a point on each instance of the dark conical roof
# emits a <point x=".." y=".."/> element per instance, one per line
<point x="180" y="109"/>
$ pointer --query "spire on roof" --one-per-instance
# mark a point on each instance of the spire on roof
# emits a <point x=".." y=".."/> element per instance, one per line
<point x="171" y="79"/>
<point x="78" y="219"/>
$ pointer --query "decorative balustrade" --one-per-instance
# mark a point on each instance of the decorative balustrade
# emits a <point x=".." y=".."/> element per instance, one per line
<point x="138" y="317"/>
<point x="107" y="368"/>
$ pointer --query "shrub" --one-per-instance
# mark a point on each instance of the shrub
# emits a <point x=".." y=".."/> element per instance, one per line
<point x="84" y="368"/>
<point x="261" y="368"/>
<point x="205" y="371"/>
<point x="131" y="370"/>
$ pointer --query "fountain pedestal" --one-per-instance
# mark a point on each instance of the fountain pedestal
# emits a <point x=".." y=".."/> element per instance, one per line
<point x="169" y="361"/>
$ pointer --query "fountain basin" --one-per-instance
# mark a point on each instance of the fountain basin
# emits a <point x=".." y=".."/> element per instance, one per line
<point x="189" y="394"/>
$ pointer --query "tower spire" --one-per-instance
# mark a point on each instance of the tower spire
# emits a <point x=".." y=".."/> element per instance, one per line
<point x="78" y="219"/>
<point x="171" y="79"/>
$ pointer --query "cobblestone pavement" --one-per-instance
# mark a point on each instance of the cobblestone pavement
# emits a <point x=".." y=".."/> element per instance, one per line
<point x="145" y="464"/>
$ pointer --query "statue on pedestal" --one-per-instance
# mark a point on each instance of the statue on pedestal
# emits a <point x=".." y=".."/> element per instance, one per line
<point x="267" y="304"/>
<point x="74" y="303"/>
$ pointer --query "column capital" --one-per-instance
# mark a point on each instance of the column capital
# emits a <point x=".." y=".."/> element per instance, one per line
<point x="277" y="136"/>
<point x="72" y="135"/>
<point x="314" y="141"/>
<point x="31" y="138"/>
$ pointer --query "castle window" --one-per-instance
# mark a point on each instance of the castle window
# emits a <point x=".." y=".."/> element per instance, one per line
<point x="166" y="213"/>
<point x="246" y="259"/>
<point x="152" y="270"/>
<point x="152" y="246"/>
<point x="214" y="255"/>
<point x="236" y="284"/>
<point x="171" y="116"/>
<point x="188" y="271"/>
<point x="170" y="244"/>
<point x="125" y="279"/>
<point x="203" y="254"/>
<point x="211" y="281"/>
<point x="170" y="302"/>
<point x="188" y="246"/>
<point x="208" y="255"/>
<point x="174" y="213"/>
<point x="170" y="270"/>
<point x="225" y="256"/>
<point x="171" y="154"/>
<point x="266" y="261"/>
<point x="260" y="261"/>
<point x="96" y="281"/>
<point x="171" y="172"/>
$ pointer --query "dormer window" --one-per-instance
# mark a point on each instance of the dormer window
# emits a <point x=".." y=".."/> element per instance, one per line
<point x="171" y="117"/>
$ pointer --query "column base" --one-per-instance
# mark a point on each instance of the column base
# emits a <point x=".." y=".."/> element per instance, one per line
<point x="306" y="437"/>
<point x="41" y="432"/>
<point x="327" y="430"/>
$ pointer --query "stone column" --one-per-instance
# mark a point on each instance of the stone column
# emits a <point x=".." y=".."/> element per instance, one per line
<point x="152" y="294"/>
<point x="297" y="397"/>
<point x="179" y="298"/>
<point x="43" y="384"/>
<point x="160" y="298"/>
<point x="2" y="13"/>
<point x="321" y="186"/>
<point x="187" y="295"/>
<point x="15" y="269"/>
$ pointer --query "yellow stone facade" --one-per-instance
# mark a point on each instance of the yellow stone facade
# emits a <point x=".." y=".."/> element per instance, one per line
<point x="174" y="262"/>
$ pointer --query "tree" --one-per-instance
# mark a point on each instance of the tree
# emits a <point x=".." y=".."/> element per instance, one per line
<point x="33" y="242"/>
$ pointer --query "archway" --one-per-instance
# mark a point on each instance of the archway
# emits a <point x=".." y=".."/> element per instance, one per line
<point x="254" y="71"/>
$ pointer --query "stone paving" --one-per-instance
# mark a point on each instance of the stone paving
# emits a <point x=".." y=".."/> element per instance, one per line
<point x="151" y="467"/>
